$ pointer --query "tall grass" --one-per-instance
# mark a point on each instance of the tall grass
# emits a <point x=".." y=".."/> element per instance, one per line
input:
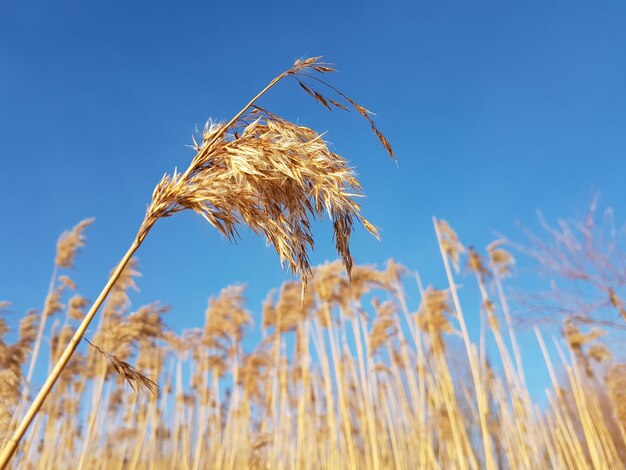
<point x="257" y="169"/>
<point x="346" y="375"/>
<point x="349" y="376"/>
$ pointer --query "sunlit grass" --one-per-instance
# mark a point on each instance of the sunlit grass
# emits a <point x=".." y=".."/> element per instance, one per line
<point x="350" y="377"/>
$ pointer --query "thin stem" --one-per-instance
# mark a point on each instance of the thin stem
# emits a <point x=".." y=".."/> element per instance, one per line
<point x="95" y="406"/>
<point x="37" y="345"/>
<point x="12" y="444"/>
<point x="235" y="118"/>
<point x="471" y="353"/>
<point x="42" y="327"/>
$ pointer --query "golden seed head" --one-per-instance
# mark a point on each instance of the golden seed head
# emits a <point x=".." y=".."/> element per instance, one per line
<point x="274" y="176"/>
<point x="501" y="260"/>
<point x="450" y="242"/>
<point x="69" y="243"/>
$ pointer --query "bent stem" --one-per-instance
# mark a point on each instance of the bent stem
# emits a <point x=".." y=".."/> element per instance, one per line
<point x="13" y="442"/>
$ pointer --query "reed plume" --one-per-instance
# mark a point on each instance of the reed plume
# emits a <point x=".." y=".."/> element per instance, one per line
<point x="501" y="259"/>
<point x="257" y="169"/>
<point x="69" y="243"/>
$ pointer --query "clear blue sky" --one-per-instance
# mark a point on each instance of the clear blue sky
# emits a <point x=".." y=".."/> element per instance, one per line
<point x="494" y="109"/>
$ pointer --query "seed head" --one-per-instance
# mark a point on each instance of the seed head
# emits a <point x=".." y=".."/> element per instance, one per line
<point x="274" y="176"/>
<point x="69" y="243"/>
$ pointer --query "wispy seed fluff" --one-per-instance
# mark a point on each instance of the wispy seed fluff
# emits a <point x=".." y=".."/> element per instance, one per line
<point x="69" y="243"/>
<point x="271" y="175"/>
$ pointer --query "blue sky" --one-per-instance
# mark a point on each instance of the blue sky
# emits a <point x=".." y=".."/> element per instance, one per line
<point x="494" y="110"/>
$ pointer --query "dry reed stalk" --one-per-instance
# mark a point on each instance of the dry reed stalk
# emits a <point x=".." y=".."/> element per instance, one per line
<point x="321" y="288"/>
<point x="500" y="261"/>
<point x="408" y="407"/>
<point x="451" y="248"/>
<point x="200" y="384"/>
<point x="331" y="422"/>
<point x="100" y="371"/>
<point x="600" y="448"/>
<point x="257" y="169"/>
<point x="564" y="432"/>
<point x="68" y="245"/>
<point x="416" y="381"/>
<point x="617" y="394"/>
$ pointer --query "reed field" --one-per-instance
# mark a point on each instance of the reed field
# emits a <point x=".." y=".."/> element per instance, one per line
<point x="348" y="373"/>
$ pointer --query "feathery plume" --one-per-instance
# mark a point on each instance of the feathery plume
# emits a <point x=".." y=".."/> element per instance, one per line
<point x="271" y="175"/>
<point x="290" y="309"/>
<point x="226" y="318"/>
<point x="475" y="264"/>
<point x="431" y="316"/>
<point x="450" y="243"/>
<point x="53" y="302"/>
<point x="501" y="259"/>
<point x="385" y="325"/>
<point x="258" y="170"/>
<point x="77" y="305"/>
<point x="69" y="243"/>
